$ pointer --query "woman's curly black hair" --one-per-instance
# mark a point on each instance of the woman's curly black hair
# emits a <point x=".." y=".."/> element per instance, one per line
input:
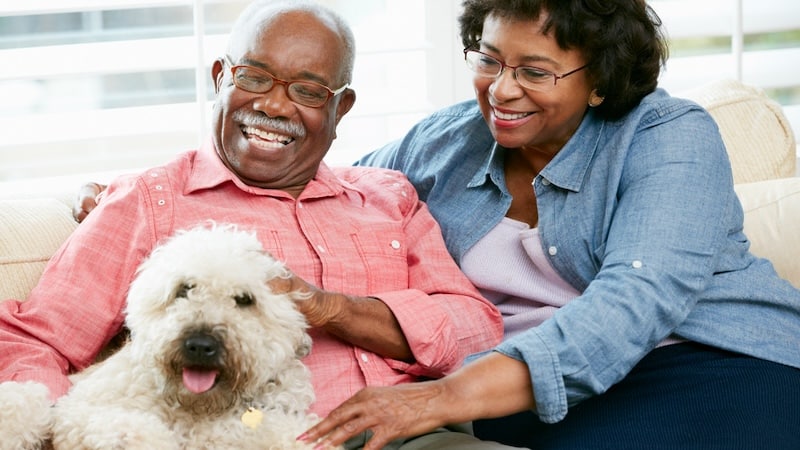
<point x="621" y="40"/>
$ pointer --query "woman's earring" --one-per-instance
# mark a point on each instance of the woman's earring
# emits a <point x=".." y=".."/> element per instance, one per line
<point x="594" y="99"/>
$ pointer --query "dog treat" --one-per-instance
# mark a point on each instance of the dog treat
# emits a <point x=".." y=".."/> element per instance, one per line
<point x="252" y="417"/>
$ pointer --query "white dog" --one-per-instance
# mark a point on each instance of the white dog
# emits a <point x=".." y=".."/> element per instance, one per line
<point x="213" y="361"/>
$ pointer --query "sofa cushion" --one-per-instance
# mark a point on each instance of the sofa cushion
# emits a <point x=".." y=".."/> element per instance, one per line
<point x="771" y="217"/>
<point x="31" y="230"/>
<point x="755" y="130"/>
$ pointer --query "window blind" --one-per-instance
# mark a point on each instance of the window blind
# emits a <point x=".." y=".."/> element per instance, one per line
<point x="754" y="41"/>
<point x="94" y="86"/>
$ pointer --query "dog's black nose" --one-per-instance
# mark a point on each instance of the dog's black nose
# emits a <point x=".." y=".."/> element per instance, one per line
<point x="201" y="348"/>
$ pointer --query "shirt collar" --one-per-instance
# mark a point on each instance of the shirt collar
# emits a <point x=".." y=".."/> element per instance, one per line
<point x="567" y="170"/>
<point x="491" y="168"/>
<point x="208" y="172"/>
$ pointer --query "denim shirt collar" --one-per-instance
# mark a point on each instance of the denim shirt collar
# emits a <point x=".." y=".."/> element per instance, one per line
<point x="491" y="169"/>
<point x="568" y="168"/>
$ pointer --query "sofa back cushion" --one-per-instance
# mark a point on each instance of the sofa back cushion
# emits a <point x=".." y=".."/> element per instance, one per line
<point x="756" y="132"/>
<point x="771" y="216"/>
<point x="31" y="230"/>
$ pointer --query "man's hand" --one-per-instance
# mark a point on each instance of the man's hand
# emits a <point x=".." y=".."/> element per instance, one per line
<point x="87" y="200"/>
<point x="365" y="322"/>
<point x="319" y="307"/>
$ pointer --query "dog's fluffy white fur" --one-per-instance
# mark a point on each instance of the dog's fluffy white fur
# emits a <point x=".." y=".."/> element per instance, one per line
<point x="209" y="341"/>
<point x="25" y="415"/>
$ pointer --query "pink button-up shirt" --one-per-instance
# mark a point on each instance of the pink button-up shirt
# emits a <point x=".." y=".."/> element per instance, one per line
<point x="359" y="231"/>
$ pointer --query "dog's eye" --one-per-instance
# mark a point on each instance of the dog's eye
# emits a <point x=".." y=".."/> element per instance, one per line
<point x="245" y="299"/>
<point x="183" y="290"/>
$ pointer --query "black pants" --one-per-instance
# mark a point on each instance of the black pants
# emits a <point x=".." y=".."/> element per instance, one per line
<point x="682" y="396"/>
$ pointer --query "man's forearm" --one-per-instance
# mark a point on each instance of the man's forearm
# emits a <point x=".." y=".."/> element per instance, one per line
<point x="368" y="323"/>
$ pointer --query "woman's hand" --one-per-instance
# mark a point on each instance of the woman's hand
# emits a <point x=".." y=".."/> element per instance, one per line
<point x="494" y="385"/>
<point x="87" y="200"/>
<point x="389" y="412"/>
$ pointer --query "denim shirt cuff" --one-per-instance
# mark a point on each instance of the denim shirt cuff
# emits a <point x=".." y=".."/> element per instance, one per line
<point x="548" y="384"/>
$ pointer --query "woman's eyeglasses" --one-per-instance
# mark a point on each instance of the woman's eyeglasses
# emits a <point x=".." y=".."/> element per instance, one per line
<point x="529" y="77"/>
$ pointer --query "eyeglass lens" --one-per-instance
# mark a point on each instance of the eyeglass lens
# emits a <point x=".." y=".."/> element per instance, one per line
<point x="527" y="76"/>
<point x="258" y="81"/>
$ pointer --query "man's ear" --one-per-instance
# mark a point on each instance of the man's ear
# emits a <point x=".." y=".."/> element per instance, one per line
<point x="217" y="73"/>
<point x="346" y="101"/>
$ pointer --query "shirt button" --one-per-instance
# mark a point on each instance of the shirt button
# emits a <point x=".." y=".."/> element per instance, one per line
<point x="153" y="174"/>
<point x="552" y="250"/>
<point x="637" y="264"/>
<point x="545" y="182"/>
<point x="159" y="187"/>
<point x="364" y="357"/>
<point x="395" y="244"/>
<point x="162" y="202"/>
<point x="321" y="249"/>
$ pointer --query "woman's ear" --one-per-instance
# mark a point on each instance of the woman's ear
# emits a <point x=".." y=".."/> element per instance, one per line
<point x="595" y="99"/>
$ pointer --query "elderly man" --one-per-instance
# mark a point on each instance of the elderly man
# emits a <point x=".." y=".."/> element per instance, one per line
<point x="389" y="305"/>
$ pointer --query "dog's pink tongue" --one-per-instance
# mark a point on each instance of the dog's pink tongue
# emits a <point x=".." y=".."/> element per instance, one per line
<point x="199" y="381"/>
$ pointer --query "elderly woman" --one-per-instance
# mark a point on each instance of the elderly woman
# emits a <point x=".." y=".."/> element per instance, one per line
<point x="598" y="214"/>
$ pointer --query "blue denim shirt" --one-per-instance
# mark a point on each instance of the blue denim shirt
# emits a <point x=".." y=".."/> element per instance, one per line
<point x="639" y="215"/>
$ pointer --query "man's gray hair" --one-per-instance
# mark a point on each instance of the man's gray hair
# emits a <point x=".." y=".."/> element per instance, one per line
<point x="258" y="8"/>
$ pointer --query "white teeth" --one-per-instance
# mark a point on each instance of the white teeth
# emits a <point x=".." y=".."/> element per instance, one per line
<point x="505" y="116"/>
<point x="268" y="136"/>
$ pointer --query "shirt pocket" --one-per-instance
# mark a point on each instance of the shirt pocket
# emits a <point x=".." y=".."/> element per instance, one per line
<point x="271" y="240"/>
<point x="383" y="253"/>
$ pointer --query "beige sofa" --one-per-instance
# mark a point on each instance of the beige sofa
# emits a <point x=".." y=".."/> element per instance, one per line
<point x="755" y="130"/>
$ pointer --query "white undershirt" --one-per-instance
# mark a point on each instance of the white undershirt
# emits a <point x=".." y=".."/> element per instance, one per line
<point x="510" y="269"/>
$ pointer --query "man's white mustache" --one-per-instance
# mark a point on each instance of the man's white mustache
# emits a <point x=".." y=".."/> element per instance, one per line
<point x="294" y="130"/>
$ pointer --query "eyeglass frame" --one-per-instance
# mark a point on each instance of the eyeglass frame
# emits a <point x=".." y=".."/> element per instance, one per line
<point x="503" y="67"/>
<point x="234" y="67"/>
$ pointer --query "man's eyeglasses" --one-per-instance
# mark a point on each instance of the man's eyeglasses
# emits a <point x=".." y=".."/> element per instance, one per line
<point x="259" y="81"/>
<point x="532" y="78"/>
